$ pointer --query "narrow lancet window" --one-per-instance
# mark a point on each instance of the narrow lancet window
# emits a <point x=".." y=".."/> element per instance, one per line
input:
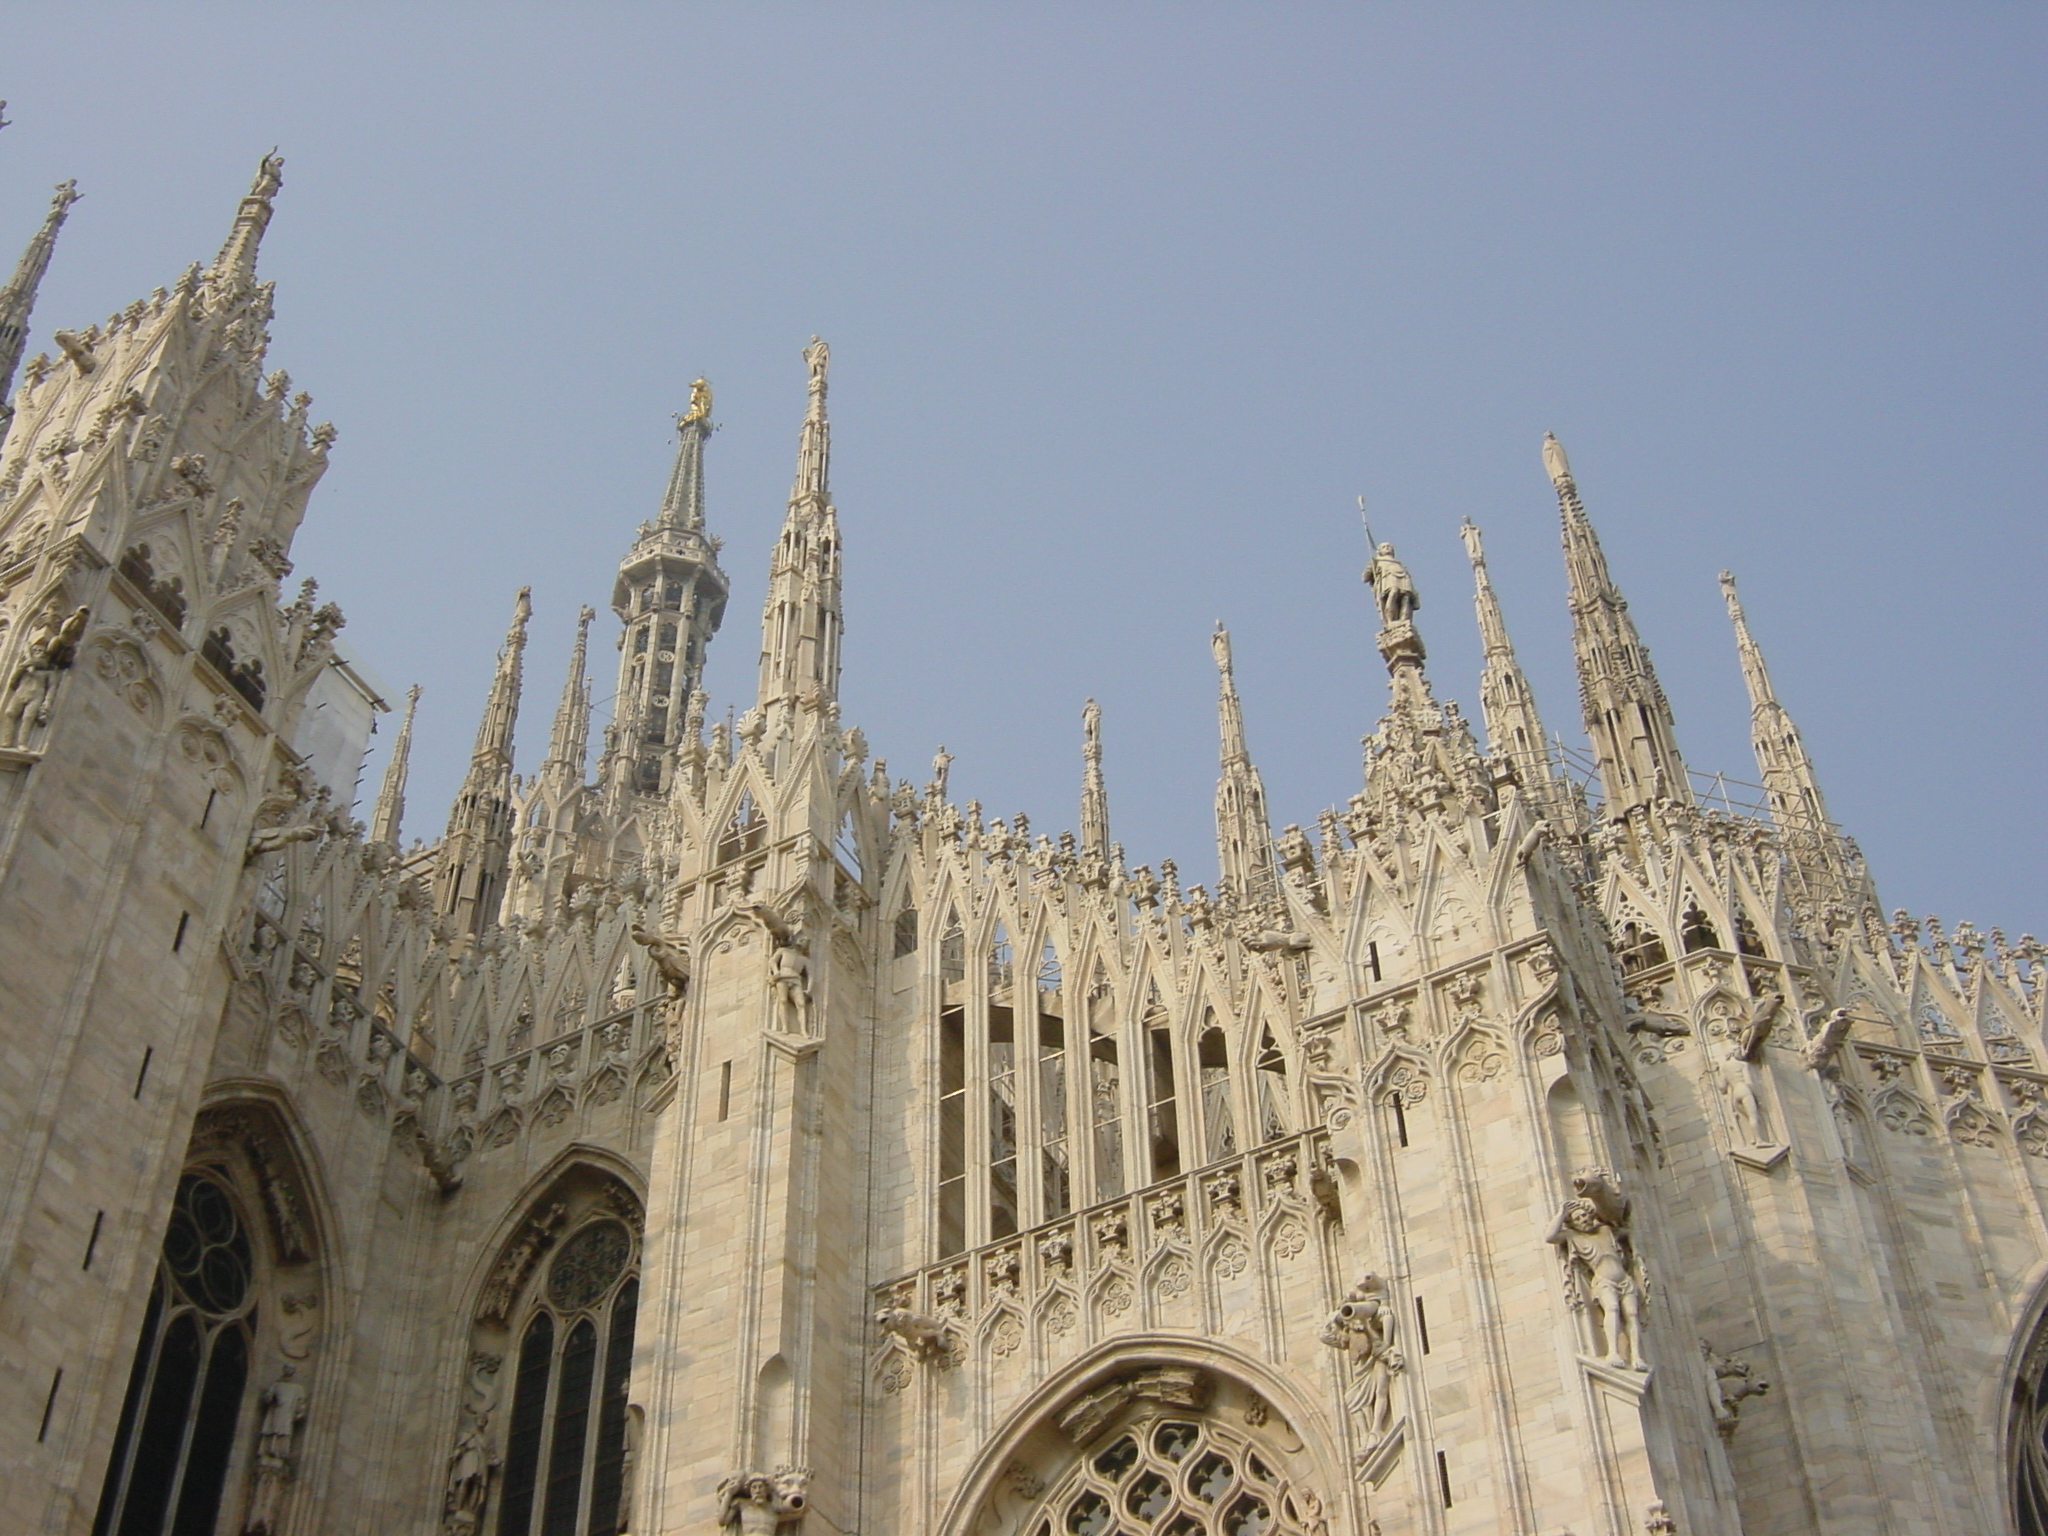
<point x="1105" y="1090"/>
<point x="1213" y="1061"/>
<point x="1271" y="1076"/>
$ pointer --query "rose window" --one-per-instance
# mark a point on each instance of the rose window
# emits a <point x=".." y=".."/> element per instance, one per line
<point x="1174" y="1477"/>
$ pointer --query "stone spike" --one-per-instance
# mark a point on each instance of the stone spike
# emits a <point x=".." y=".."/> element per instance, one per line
<point x="386" y="820"/>
<point x="18" y="298"/>
<point x="1244" y="831"/>
<point x="1626" y="714"/>
<point x="683" y="505"/>
<point x="1094" y="792"/>
<point x="1514" y="730"/>
<point x="801" y="620"/>
<point x="469" y="879"/>
<point x="569" y="741"/>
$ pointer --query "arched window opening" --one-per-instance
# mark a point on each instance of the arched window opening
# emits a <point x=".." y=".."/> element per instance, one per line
<point x="571" y="1306"/>
<point x="953" y="954"/>
<point x="1641" y="949"/>
<point x="1695" y="932"/>
<point x="1571" y="1134"/>
<point x="1002" y="1117"/>
<point x="1270" y="1074"/>
<point x="184" y="1408"/>
<point x="1212" y="1059"/>
<point x="999" y="963"/>
<point x="906" y="932"/>
<point x="1162" y="1112"/>
<point x="1105" y="1090"/>
<point x="745" y="833"/>
<point x="952" y="1128"/>
<point x="1056" y="1176"/>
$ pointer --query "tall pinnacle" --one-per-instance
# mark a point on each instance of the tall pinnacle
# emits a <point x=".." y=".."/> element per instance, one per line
<point x="1513" y="728"/>
<point x="801" y="620"/>
<point x="1244" y="832"/>
<point x="1094" y="793"/>
<point x="236" y="263"/>
<point x="386" y="819"/>
<point x="1794" y="789"/>
<point x="470" y="876"/>
<point x="569" y="741"/>
<point x="683" y="506"/>
<point x="1626" y="714"/>
<point x="18" y="298"/>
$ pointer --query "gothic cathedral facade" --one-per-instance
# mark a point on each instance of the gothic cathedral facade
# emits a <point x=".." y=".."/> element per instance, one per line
<point x="669" y="1147"/>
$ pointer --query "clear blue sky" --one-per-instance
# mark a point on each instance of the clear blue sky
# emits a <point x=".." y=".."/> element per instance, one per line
<point x="1127" y="305"/>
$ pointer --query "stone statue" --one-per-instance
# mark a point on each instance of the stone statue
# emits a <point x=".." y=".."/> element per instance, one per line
<point x="469" y="1479"/>
<point x="1600" y="1275"/>
<point x="284" y="1408"/>
<point x="923" y="1335"/>
<point x="789" y="979"/>
<point x="1391" y="587"/>
<point x="52" y="650"/>
<point x="1363" y="1328"/>
<point x="1554" y="462"/>
<point x="1729" y="1381"/>
<point x="755" y="1504"/>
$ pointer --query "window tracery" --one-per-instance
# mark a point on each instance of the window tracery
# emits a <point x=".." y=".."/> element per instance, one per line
<point x="2027" y="1438"/>
<point x="1177" y="1476"/>
<point x="564" y="1344"/>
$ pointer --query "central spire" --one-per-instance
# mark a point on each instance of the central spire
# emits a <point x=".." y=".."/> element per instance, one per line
<point x="801" y="621"/>
<point x="1626" y="714"/>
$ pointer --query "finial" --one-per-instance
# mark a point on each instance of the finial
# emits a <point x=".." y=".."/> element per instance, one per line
<point x="18" y="296"/>
<point x="1554" y="461"/>
<point x="1219" y="646"/>
<point x="819" y="356"/>
<point x="522" y="606"/>
<point x="237" y="259"/>
<point x="1469" y="532"/>
<point x="1091" y="731"/>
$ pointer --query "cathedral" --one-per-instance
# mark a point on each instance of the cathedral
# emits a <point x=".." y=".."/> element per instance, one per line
<point x="666" y="1145"/>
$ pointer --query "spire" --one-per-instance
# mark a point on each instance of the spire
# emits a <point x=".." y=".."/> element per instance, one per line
<point x="800" y="622"/>
<point x="1513" y="729"/>
<point x="683" y="506"/>
<point x="569" y="742"/>
<point x="19" y="296"/>
<point x="1244" y="832"/>
<point x="390" y="812"/>
<point x="237" y="259"/>
<point x="1796" y="804"/>
<point x="470" y="877"/>
<point x="1094" y="794"/>
<point x="1626" y="714"/>
<point x="670" y="595"/>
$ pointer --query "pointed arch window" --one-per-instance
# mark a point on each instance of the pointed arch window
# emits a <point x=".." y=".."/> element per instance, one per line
<point x="564" y="1458"/>
<point x="187" y="1388"/>
<point x="1212" y="1061"/>
<point x="1056" y="1178"/>
<point x="1105" y="1089"/>
<point x="746" y="832"/>
<point x="1162" y="1111"/>
<point x="1270" y="1074"/>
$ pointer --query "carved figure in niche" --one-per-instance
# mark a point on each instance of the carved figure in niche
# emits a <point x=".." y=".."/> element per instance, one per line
<point x="284" y="1409"/>
<point x="1391" y="587"/>
<point x="789" y="978"/>
<point x="1738" y="1077"/>
<point x="755" y="1504"/>
<point x="1601" y="1275"/>
<point x="1363" y="1328"/>
<point x="469" y="1479"/>
<point x="51" y="650"/>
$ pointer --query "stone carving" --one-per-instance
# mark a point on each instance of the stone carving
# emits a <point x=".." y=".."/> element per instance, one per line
<point x="789" y="978"/>
<point x="757" y="1504"/>
<point x="1729" y="1381"/>
<point x="52" y="648"/>
<point x="1603" y="1277"/>
<point x="535" y="1237"/>
<point x="1362" y="1328"/>
<point x="922" y="1334"/>
<point x="283" y="1405"/>
<point x="671" y="957"/>
<point x="1392" y="588"/>
<point x="472" y="1462"/>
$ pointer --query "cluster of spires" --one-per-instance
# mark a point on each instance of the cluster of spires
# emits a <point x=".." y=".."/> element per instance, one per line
<point x="671" y="576"/>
